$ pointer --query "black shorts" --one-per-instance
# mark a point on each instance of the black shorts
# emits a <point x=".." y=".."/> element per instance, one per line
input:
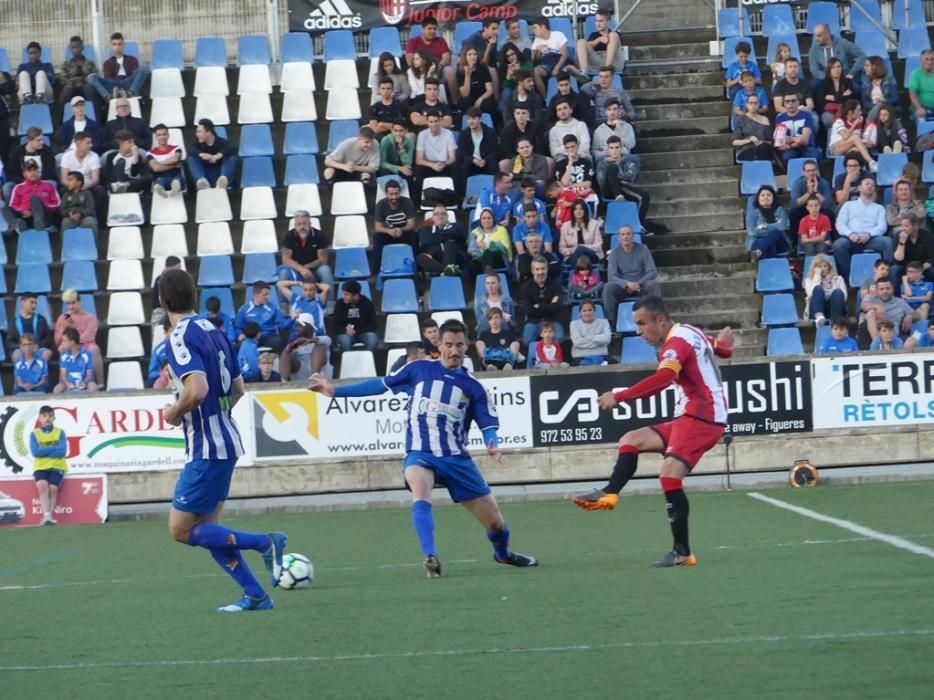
<point x="53" y="476"/>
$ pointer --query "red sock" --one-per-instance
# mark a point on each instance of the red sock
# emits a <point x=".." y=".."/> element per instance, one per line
<point x="670" y="483"/>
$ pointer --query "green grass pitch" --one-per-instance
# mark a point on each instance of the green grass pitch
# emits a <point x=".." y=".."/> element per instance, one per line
<point x="780" y="606"/>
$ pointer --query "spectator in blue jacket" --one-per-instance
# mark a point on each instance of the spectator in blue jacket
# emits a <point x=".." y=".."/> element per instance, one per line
<point x="34" y="78"/>
<point x="839" y="340"/>
<point x="497" y="199"/>
<point x="214" y="314"/>
<point x="267" y="316"/>
<point x="826" y="46"/>
<point x="878" y="87"/>
<point x="160" y="355"/>
<point x="248" y="354"/>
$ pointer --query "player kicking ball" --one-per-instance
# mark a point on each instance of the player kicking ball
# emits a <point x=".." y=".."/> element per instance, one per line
<point x="686" y="359"/>
<point x="443" y="400"/>
<point x="207" y="380"/>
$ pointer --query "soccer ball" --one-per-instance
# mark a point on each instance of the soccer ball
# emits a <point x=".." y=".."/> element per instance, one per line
<point x="297" y="571"/>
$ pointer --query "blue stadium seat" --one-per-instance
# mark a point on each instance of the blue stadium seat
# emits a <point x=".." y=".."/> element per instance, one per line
<point x="911" y="42"/>
<point x="339" y="45"/>
<point x="911" y="63"/>
<point x="927" y="166"/>
<point x="621" y="214"/>
<point x="33" y="247"/>
<point x="79" y="244"/>
<point x="210" y="51"/>
<point x="872" y="42"/>
<point x="794" y="170"/>
<point x="256" y="140"/>
<point x="3" y="256"/>
<point x="4" y="61"/>
<point x="80" y="275"/>
<point x="915" y="18"/>
<point x="33" y="277"/>
<point x="858" y="21"/>
<point x="475" y="185"/>
<point x="887" y="195"/>
<point x="4" y="323"/>
<point x="779" y="310"/>
<point x="823" y="13"/>
<point x="756" y="173"/>
<point x="890" y="168"/>
<point x="301" y="138"/>
<point x="784" y="341"/>
<point x="624" y="322"/>
<point x="215" y="271"/>
<point x="552" y="88"/>
<point x="295" y="47"/>
<point x="823" y="332"/>
<point x="838" y="167"/>
<point x="861" y="267"/>
<point x="45" y="55"/>
<point x="446" y="294"/>
<point x="364" y="289"/>
<point x="130" y="48"/>
<point x="340" y="130"/>
<point x="260" y="267"/>
<point x="399" y="297"/>
<point x="563" y="25"/>
<point x="385" y="39"/>
<point x="167" y="53"/>
<point x="728" y="22"/>
<point x="777" y="39"/>
<point x="301" y="170"/>
<point x="253" y="49"/>
<point x="635" y="350"/>
<point x="729" y="49"/>
<point x="777" y="19"/>
<point x="223" y="294"/>
<point x="464" y="29"/>
<point x="3" y="289"/>
<point x="351" y="264"/>
<point x="257" y="172"/>
<point x="34" y="115"/>
<point x="774" y="275"/>
<point x="398" y="260"/>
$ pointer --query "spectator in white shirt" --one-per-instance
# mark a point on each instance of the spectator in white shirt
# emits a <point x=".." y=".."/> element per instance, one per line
<point x="435" y="152"/>
<point x="565" y="125"/>
<point x="862" y="226"/>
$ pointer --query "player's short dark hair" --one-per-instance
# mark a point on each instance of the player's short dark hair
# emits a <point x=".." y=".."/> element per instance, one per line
<point x="562" y="101"/>
<point x="610" y="102"/>
<point x="413" y="348"/>
<point x="436" y="113"/>
<point x="207" y="125"/>
<point x="72" y="335"/>
<point x="76" y="38"/>
<point x="915" y="265"/>
<point x="563" y="78"/>
<point x="655" y="305"/>
<point x="432" y="81"/>
<point x="123" y="135"/>
<point x="840" y="322"/>
<point x="879" y="263"/>
<point x="28" y="295"/>
<point x="490" y="20"/>
<point x="177" y="291"/>
<point x="522" y="74"/>
<point x="32" y="132"/>
<point x="529" y="209"/>
<point x="33" y="45"/>
<point x="541" y="21"/>
<point x="46" y="409"/>
<point x="212" y="304"/>
<point x="452" y="325"/>
<point x="606" y="14"/>
<point x="429" y="22"/>
<point x="385" y="80"/>
<point x="81" y="136"/>
<point x="27" y="338"/>
<point x="251" y="329"/>
<point x="429" y="323"/>
<point x="493" y="311"/>
<point x="812" y="198"/>
<point x="500" y="176"/>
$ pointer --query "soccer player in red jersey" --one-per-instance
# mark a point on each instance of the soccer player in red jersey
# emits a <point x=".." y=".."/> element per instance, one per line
<point x="686" y="359"/>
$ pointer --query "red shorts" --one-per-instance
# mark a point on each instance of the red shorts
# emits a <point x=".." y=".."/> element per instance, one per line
<point x="687" y="439"/>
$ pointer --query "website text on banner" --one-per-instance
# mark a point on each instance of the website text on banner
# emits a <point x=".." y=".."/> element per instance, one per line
<point x="325" y="15"/>
<point x="875" y="390"/>
<point x="769" y="397"/>
<point x="106" y="434"/>
<point x="301" y="424"/>
<point x="82" y="500"/>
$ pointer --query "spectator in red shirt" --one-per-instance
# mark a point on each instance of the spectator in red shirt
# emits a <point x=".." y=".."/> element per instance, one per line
<point x="34" y="202"/>
<point x="429" y="40"/>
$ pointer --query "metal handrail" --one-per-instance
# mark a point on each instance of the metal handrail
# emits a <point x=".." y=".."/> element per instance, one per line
<point x="628" y="12"/>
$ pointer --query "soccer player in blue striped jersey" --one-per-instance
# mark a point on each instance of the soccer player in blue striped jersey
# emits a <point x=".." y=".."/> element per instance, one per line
<point x="207" y="381"/>
<point x="444" y="399"/>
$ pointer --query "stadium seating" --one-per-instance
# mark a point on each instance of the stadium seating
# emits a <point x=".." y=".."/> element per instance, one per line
<point x="126" y="243"/>
<point x="125" y="309"/>
<point x="166" y="240"/>
<point x="341" y="74"/>
<point x="168" y="210"/>
<point x="168" y="111"/>
<point x="253" y="49"/>
<point x="215" y="271"/>
<point x="33" y="247"/>
<point x="384" y="39"/>
<point x="165" y="82"/>
<point x="777" y="19"/>
<point x="398" y="260"/>
<point x="256" y="140"/>
<point x="297" y="77"/>
<point x="619" y="214"/>
<point x="399" y="296"/>
<point x="861" y="267"/>
<point x="440" y="317"/>
<point x="167" y="54"/>
<point x="351" y="263"/>
<point x="911" y="42"/>
<point x="343" y="103"/>
<point x="357" y="364"/>
<point x="475" y="185"/>
<point x="635" y="351"/>
<point x="402" y="328"/>
<point x="125" y="275"/>
<point x="32" y="277"/>
<point x="339" y="46"/>
<point x="124" y="342"/>
<point x="350" y="232"/>
<point x="211" y="81"/>
<point x="213" y="107"/>
<point x="257" y="172"/>
<point x="913" y="19"/>
<point x="301" y="170"/>
<point x="212" y="204"/>
<point x="624" y="321"/>
<point x="784" y="341"/>
<point x="80" y="275"/>
<point x="446" y="294"/>
<point x="295" y="47"/>
<point x="255" y="108"/>
<point x="45" y="56"/>
<point x="301" y="138"/>
<point x="303" y="197"/>
<point x="38" y="115"/>
<point x="823" y="13"/>
<point x="224" y="295"/>
<point x="858" y="20"/>
<point x="124" y="376"/>
<point x="259" y="267"/>
<point x="774" y="275"/>
<point x="214" y="239"/>
<point x="4" y="60"/>
<point x="779" y="310"/>
<point x="464" y="29"/>
<point x="299" y="106"/>
<point x="348" y="198"/>
<point x="872" y="42"/>
<point x="210" y="51"/>
<point x="823" y="332"/>
<point x="728" y="22"/>
<point x="777" y="39"/>
<point x="755" y="174"/>
<point x="392" y="355"/>
<point x="259" y="236"/>
<point x="729" y="49"/>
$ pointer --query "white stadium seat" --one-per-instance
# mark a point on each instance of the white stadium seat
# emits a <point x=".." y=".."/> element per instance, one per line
<point x="212" y="204"/>
<point x="214" y="239"/>
<point x="168" y="240"/>
<point x="126" y="309"/>
<point x="125" y="243"/>
<point x="125" y="275"/>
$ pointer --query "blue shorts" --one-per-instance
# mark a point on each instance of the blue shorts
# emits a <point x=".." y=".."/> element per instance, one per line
<point x="459" y="475"/>
<point x="53" y="476"/>
<point x="203" y="484"/>
<point x="549" y="61"/>
<point x="287" y="273"/>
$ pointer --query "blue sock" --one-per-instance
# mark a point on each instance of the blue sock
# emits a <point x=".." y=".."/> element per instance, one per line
<point x="231" y="561"/>
<point x="424" y="524"/>
<point x="210" y="535"/>
<point x="500" y="541"/>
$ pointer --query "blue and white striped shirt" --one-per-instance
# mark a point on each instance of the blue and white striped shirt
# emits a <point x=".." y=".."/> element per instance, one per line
<point x="442" y="404"/>
<point x="196" y="346"/>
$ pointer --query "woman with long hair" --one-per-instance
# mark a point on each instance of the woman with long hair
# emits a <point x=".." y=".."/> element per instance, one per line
<point x="423" y="66"/>
<point x="878" y="87"/>
<point x="580" y="236"/>
<point x="493" y="297"/>
<point x="832" y="92"/>
<point x="846" y="134"/>
<point x="825" y="291"/>
<point x="474" y="83"/>
<point x="766" y="226"/>
<point x="752" y="133"/>
<point x="386" y="67"/>
<point x="489" y="247"/>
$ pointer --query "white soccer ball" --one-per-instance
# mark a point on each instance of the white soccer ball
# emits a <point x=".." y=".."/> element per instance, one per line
<point x="297" y="571"/>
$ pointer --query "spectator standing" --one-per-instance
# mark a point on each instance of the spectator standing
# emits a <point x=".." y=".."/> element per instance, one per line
<point x="602" y="90"/>
<point x="580" y="237"/>
<point x="861" y="226"/>
<point x="78" y="123"/>
<point x="212" y="160"/>
<point x="30" y="370"/>
<point x="76" y="71"/>
<point x="355" y="158"/>
<point x="31" y="322"/>
<point x="590" y="337"/>
<point x="839" y="340"/>
<point x="793" y="84"/>
<point x="165" y="162"/>
<point x="477" y="146"/>
<point x="794" y="132"/>
<point x="304" y="256"/>
<point x="354" y="319"/>
<point x="549" y="52"/>
<point x="440" y="245"/>
<point x="34" y="203"/>
<point x="429" y="41"/>
<point x="766" y="226"/>
<point x="264" y="314"/>
<point x="48" y="447"/>
<point x="435" y="153"/>
<point x="35" y="78"/>
<point x="125" y="121"/>
<point x="76" y="364"/>
<point x="385" y="109"/>
<point x="542" y="303"/>
<point x="397" y="153"/>
<point x="601" y="48"/>
<point x="128" y="169"/>
<point x="825" y="291"/>
<point x="631" y="272"/>
<point x="825" y="46"/>
<point x="615" y="126"/>
<point x="921" y="87"/>
<point x="832" y="92"/>
<point x="394" y="221"/>
<point x="84" y="324"/>
<point x="122" y="74"/>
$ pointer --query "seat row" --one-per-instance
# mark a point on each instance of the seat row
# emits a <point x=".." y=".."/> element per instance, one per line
<point x="779" y="19"/>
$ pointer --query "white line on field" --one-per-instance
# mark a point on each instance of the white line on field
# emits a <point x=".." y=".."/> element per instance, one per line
<point x="893" y="540"/>
<point x="560" y="649"/>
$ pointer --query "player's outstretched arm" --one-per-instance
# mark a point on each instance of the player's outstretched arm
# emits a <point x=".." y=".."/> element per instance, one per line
<point x="723" y="344"/>
<point x="321" y="385"/>
<point x="491" y="440"/>
<point x="368" y="387"/>
<point x="652" y="384"/>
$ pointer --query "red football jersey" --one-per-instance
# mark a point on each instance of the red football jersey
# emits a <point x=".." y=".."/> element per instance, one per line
<point x="690" y="354"/>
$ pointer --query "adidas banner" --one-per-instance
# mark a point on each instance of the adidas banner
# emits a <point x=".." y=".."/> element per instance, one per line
<point x="324" y="15"/>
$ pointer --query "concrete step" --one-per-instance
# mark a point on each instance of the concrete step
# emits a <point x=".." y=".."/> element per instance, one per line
<point x="675" y="192"/>
<point x="698" y="223"/>
<point x="662" y="209"/>
<point x="726" y="288"/>
<point x="666" y="66"/>
<point x="670" y="14"/>
<point x="688" y="110"/>
<point x="708" y="158"/>
<point x="651" y="128"/>
<point x="659" y="52"/>
<point x="696" y="175"/>
<point x="703" y="255"/>
<point x="667" y="144"/>
<point x="658" y="79"/>
<point x="715" y="319"/>
<point x="678" y="240"/>
<point x="695" y="93"/>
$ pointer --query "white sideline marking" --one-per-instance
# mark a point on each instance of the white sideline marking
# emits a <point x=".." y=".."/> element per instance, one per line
<point x="560" y="649"/>
<point x="893" y="540"/>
